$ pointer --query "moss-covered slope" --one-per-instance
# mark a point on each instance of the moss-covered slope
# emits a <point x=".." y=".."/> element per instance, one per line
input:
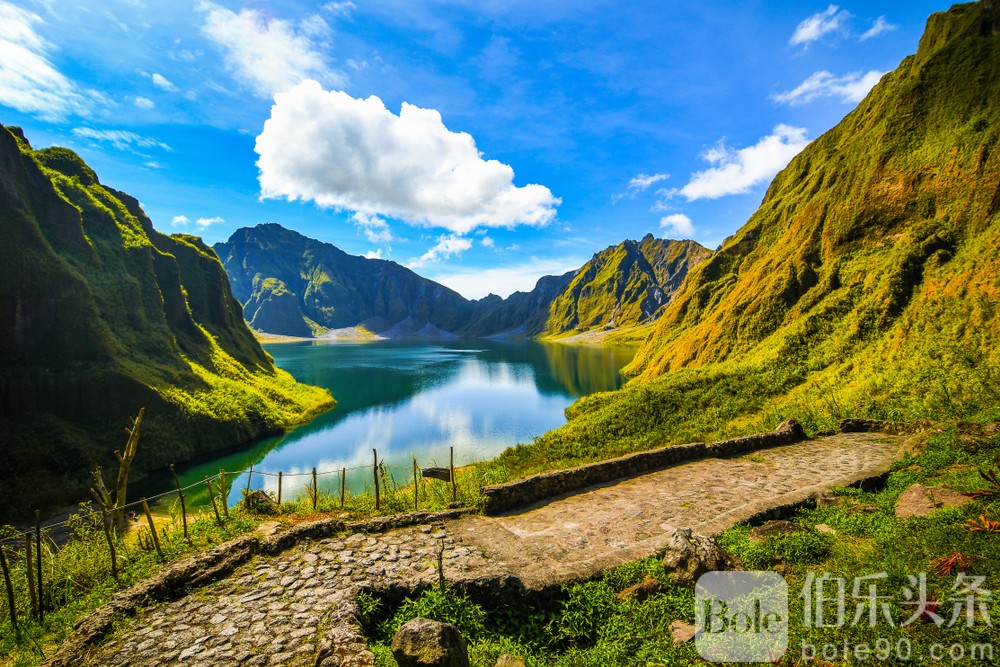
<point x="866" y="284"/>
<point x="100" y="315"/>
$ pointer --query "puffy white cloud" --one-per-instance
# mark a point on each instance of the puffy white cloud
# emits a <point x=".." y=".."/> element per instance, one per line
<point x="376" y="229"/>
<point x="736" y="171"/>
<point x="878" y="27"/>
<point x="487" y="242"/>
<point x="850" y="88"/>
<point x="638" y="184"/>
<point x="677" y="224"/>
<point x="354" y="154"/>
<point x="208" y="222"/>
<point x="28" y="80"/>
<point x="507" y="279"/>
<point x="373" y="254"/>
<point x="162" y="82"/>
<point x="144" y="103"/>
<point x="120" y="139"/>
<point x="819" y="24"/>
<point x="179" y="221"/>
<point x="269" y="55"/>
<point x="447" y="245"/>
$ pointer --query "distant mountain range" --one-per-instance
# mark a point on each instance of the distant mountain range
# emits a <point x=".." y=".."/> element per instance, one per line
<point x="293" y="285"/>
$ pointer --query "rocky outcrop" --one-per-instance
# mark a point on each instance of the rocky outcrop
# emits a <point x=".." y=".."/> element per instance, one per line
<point x="421" y="642"/>
<point x="690" y="555"/>
<point x="920" y="500"/>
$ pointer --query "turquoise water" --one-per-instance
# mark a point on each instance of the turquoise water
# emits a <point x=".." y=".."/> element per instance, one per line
<point x="410" y="400"/>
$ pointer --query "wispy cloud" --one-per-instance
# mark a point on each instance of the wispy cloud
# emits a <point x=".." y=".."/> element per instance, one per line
<point x="376" y="229"/>
<point x="179" y="221"/>
<point x="677" y="224"/>
<point x="879" y="26"/>
<point x="29" y="82"/>
<point x="144" y="103"/>
<point x="373" y="254"/>
<point x="507" y="279"/>
<point x="162" y="82"/>
<point x="447" y="246"/>
<point x="120" y="139"/>
<point x="850" y="88"/>
<point x="737" y="171"/>
<point x="407" y="166"/>
<point x="832" y="19"/>
<point x="269" y="55"/>
<point x="208" y="222"/>
<point x="638" y="184"/>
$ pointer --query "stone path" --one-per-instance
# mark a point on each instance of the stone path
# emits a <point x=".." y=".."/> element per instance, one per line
<point x="298" y="608"/>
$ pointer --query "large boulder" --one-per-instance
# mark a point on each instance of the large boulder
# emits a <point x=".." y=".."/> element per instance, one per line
<point x="920" y="500"/>
<point x="421" y="642"/>
<point x="690" y="555"/>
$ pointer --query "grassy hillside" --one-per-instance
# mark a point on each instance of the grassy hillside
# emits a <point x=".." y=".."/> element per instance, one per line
<point x="865" y="285"/>
<point x="100" y="315"/>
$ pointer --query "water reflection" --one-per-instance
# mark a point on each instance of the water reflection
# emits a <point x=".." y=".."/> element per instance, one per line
<point x="404" y="400"/>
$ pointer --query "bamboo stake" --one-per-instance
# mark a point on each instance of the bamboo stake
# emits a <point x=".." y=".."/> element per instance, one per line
<point x="343" y="486"/>
<point x="152" y="529"/>
<point x="249" y="477"/>
<point x="184" y="514"/>
<point x="375" y="469"/>
<point x="215" y="505"/>
<point x="454" y="485"/>
<point x="38" y="561"/>
<point x="111" y="544"/>
<point x="315" y="490"/>
<point x="31" y="576"/>
<point x="279" y="488"/>
<point x="416" y="498"/>
<point x="10" y="594"/>
<point x="224" y="493"/>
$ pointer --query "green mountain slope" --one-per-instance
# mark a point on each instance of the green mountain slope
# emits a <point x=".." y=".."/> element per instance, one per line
<point x="865" y="285"/>
<point x="100" y="315"/>
<point x="624" y="285"/>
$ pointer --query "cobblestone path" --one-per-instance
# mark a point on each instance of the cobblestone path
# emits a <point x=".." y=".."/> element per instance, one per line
<point x="298" y="608"/>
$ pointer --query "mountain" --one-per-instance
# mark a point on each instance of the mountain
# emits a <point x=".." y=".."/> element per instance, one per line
<point x="100" y="315"/>
<point x="865" y="284"/>
<point x="293" y="285"/>
<point x="623" y="285"/>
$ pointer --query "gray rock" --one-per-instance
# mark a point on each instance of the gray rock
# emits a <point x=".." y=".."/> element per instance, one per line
<point x="421" y="642"/>
<point x="920" y="500"/>
<point x="508" y="660"/>
<point x="690" y="555"/>
<point x="681" y="631"/>
<point x="775" y="528"/>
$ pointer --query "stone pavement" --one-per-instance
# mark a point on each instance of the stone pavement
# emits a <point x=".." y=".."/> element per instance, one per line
<point x="298" y="607"/>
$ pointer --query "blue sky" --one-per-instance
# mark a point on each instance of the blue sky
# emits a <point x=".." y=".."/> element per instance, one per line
<point x="484" y="143"/>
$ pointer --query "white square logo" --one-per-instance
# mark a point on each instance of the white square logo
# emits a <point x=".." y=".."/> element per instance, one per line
<point x="741" y="616"/>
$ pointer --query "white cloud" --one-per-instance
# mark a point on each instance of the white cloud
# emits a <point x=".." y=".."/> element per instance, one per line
<point x="850" y="88"/>
<point x="819" y="24"/>
<point x="340" y="8"/>
<point x="878" y="27"/>
<point x="373" y="254"/>
<point x="120" y="139"/>
<point x="447" y="245"/>
<point x="208" y="222"/>
<point x="163" y="82"/>
<point x="736" y="171"/>
<point x="375" y="228"/>
<point x="179" y="221"/>
<point x="677" y="224"/>
<point x="269" y="55"/>
<point x="347" y="153"/>
<point x="638" y="184"/>
<point x="144" y="103"/>
<point x="487" y="242"/>
<point x="28" y="80"/>
<point x="505" y="280"/>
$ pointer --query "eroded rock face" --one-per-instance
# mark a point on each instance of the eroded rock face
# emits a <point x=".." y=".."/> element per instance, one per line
<point x="421" y="642"/>
<point x="690" y="555"/>
<point x="920" y="500"/>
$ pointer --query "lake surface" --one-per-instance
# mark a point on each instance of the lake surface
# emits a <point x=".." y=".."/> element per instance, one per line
<point x="411" y="400"/>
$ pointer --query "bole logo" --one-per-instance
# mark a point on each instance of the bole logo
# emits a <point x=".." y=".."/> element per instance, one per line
<point x="741" y="616"/>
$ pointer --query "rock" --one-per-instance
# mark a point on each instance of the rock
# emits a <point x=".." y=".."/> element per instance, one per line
<point x="792" y="428"/>
<point x="690" y="555"/>
<point x="456" y="505"/>
<point x="773" y="529"/>
<point x="421" y="642"/>
<point x="258" y="502"/>
<point x="508" y="660"/>
<point x="681" y="631"/>
<point x="920" y="500"/>
<point x="641" y="590"/>
<point x="823" y="528"/>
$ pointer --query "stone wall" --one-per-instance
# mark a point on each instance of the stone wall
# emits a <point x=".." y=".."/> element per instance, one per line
<point x="505" y="497"/>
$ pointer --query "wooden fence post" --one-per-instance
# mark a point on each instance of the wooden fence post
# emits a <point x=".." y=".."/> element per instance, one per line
<point x="416" y="497"/>
<point x="111" y="544"/>
<point x="315" y="490"/>
<point x="225" y="493"/>
<point x="38" y="561"/>
<point x="343" y="486"/>
<point x="184" y="514"/>
<point x="10" y="593"/>
<point x="375" y="470"/>
<point x="279" y="488"/>
<point x="215" y="505"/>
<point x="249" y="477"/>
<point x="451" y="466"/>
<point x="152" y="529"/>
<point x="30" y="567"/>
